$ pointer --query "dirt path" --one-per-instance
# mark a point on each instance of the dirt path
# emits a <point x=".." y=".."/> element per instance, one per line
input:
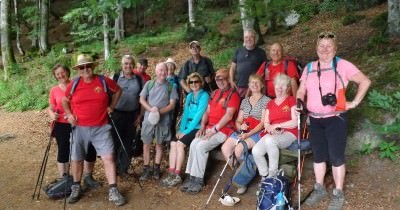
<point x="371" y="183"/>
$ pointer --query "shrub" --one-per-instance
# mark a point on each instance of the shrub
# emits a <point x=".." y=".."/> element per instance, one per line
<point x="351" y="18"/>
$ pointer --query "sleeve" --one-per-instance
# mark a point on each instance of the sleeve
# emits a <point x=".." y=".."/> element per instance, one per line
<point x="234" y="102"/>
<point x="292" y="70"/>
<point x="111" y="84"/>
<point x="260" y="70"/>
<point x="184" y="71"/>
<point x="234" y="58"/>
<point x="305" y="70"/>
<point x="185" y="114"/>
<point x="52" y="97"/>
<point x="174" y="93"/>
<point x="210" y="65"/>
<point x="242" y="105"/>
<point x="349" y="69"/>
<point x="144" y="92"/>
<point x="203" y="104"/>
<point x="68" y="89"/>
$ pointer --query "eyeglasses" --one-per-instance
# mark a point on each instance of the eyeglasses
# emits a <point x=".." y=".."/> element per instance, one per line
<point x="328" y="35"/>
<point x="194" y="82"/>
<point x="220" y="79"/>
<point x="195" y="47"/>
<point x="85" y="67"/>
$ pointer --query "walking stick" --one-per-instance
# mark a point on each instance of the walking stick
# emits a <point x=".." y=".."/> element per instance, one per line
<point x="42" y="170"/>
<point x="71" y="138"/>
<point x="123" y="147"/>
<point x="299" y="106"/>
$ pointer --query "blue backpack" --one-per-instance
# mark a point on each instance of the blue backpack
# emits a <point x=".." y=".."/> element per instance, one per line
<point x="273" y="193"/>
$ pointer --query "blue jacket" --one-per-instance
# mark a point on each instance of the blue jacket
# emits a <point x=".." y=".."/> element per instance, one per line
<point x="193" y="111"/>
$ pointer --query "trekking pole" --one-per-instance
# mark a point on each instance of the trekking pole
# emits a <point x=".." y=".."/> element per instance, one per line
<point x="123" y="147"/>
<point x="71" y="141"/>
<point x="42" y="170"/>
<point x="299" y="106"/>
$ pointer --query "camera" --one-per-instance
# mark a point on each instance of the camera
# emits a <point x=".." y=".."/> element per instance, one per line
<point x="329" y="99"/>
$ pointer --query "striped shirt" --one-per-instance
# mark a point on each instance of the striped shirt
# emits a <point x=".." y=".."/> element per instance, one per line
<point x="256" y="111"/>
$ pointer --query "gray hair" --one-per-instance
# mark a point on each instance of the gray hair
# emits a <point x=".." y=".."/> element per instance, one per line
<point x="130" y="57"/>
<point x="250" y="30"/>
<point x="282" y="79"/>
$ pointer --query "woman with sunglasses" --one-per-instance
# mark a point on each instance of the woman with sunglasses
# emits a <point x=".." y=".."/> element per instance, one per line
<point x="248" y="122"/>
<point x="195" y="105"/>
<point x="61" y="129"/>
<point x="324" y="82"/>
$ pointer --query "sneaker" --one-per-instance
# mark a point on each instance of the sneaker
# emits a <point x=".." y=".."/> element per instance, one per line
<point x="172" y="180"/>
<point x="187" y="183"/>
<point x="241" y="190"/>
<point x="90" y="182"/>
<point x="337" y="200"/>
<point x="317" y="195"/>
<point x="196" y="186"/>
<point x="164" y="182"/>
<point x="146" y="174"/>
<point x="116" y="197"/>
<point x="75" y="193"/>
<point x="156" y="173"/>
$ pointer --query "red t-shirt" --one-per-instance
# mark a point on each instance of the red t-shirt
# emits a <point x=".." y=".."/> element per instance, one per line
<point x="89" y="101"/>
<point x="145" y="77"/>
<point x="273" y="71"/>
<point x="217" y="110"/>
<point x="282" y="113"/>
<point x="55" y="99"/>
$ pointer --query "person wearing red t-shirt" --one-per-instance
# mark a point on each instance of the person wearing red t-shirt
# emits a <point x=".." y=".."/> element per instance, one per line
<point x="216" y="125"/>
<point x="62" y="129"/>
<point x="280" y="124"/>
<point x="86" y="109"/>
<point x="141" y="70"/>
<point x="276" y="66"/>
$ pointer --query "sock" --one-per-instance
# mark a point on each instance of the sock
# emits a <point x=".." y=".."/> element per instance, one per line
<point x="112" y="185"/>
<point x="171" y="170"/>
<point x="177" y="172"/>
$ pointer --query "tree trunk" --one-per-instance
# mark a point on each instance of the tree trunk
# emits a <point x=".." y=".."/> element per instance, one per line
<point x="394" y="18"/>
<point x="247" y="21"/>
<point x="191" y="13"/>
<point x="43" y="26"/>
<point x="17" y="29"/>
<point x="35" y="37"/>
<point x="106" y="37"/>
<point x="119" y="32"/>
<point x="7" y="54"/>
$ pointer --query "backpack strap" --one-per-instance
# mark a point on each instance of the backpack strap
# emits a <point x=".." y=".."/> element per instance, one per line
<point x="228" y="98"/>
<point x="103" y="82"/>
<point x="266" y="71"/>
<point x="150" y="85"/>
<point x="116" y="76"/>
<point x="74" y="84"/>
<point x="285" y="66"/>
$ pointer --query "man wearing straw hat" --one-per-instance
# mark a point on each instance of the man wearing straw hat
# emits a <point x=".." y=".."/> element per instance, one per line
<point x="86" y="105"/>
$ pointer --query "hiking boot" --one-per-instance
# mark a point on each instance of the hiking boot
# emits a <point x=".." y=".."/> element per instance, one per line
<point x="241" y="190"/>
<point x="116" y="197"/>
<point x="156" y="173"/>
<point x="317" y="195"/>
<point x="172" y="180"/>
<point x="90" y="182"/>
<point x="146" y="174"/>
<point x="337" y="200"/>
<point x="196" y="186"/>
<point x="187" y="183"/>
<point x="75" y="193"/>
<point x="164" y="182"/>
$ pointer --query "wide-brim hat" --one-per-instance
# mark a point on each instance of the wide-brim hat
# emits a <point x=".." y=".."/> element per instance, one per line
<point x="194" y="42"/>
<point x="153" y="118"/>
<point x="83" y="59"/>
<point x="171" y="60"/>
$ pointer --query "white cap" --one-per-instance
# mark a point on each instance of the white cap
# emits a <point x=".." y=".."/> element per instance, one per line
<point x="153" y="118"/>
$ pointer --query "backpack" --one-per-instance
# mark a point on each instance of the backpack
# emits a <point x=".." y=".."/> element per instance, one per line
<point x="153" y="82"/>
<point x="286" y="60"/>
<point x="247" y="169"/>
<point x="59" y="188"/>
<point x="274" y="193"/>
<point x="117" y="74"/>
<point x="77" y="79"/>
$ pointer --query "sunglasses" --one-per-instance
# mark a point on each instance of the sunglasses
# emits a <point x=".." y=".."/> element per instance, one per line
<point x="328" y="35"/>
<point x="195" y="47"/>
<point x="85" y="67"/>
<point x="194" y="82"/>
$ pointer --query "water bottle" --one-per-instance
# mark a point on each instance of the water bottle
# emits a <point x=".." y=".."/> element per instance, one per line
<point x="280" y="202"/>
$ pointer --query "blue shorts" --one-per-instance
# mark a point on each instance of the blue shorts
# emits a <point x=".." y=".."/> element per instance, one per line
<point x="255" y="137"/>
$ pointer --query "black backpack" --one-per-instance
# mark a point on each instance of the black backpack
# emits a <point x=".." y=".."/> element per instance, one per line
<point x="59" y="188"/>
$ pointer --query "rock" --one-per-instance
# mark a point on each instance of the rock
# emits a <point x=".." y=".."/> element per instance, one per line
<point x="365" y="135"/>
<point x="292" y="19"/>
<point x="6" y="136"/>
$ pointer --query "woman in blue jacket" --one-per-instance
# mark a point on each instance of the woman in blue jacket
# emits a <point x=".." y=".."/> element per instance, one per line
<point x="195" y="105"/>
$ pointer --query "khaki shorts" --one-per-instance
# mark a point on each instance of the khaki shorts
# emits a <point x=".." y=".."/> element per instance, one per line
<point x="161" y="133"/>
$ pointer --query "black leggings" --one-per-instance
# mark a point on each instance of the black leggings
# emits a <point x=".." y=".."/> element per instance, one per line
<point x="62" y="133"/>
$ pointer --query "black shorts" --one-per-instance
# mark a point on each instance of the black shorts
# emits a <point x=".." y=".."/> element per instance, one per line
<point x="188" y="138"/>
<point x="328" y="139"/>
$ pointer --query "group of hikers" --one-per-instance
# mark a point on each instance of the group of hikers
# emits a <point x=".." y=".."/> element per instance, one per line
<point x="254" y="101"/>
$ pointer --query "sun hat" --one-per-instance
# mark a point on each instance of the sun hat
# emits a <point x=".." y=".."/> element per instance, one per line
<point x="194" y="42"/>
<point x="83" y="59"/>
<point x="153" y="118"/>
<point x="171" y="60"/>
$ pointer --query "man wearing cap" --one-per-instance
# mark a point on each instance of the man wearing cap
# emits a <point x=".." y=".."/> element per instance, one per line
<point x="245" y="62"/>
<point x="158" y="98"/>
<point x="126" y="113"/>
<point x="86" y="104"/>
<point x="216" y="125"/>
<point x="197" y="63"/>
<point x="141" y="70"/>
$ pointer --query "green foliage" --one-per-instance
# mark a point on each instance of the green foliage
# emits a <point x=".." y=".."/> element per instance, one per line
<point x="388" y="150"/>
<point x="30" y="18"/>
<point x="351" y="18"/>
<point x="353" y="5"/>
<point x="366" y="149"/>
<point x="223" y="58"/>
<point x="329" y="6"/>
<point x="380" y="21"/>
<point x="306" y="10"/>
<point x="112" y="64"/>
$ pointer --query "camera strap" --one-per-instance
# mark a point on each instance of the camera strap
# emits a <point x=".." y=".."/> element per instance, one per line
<point x="319" y="76"/>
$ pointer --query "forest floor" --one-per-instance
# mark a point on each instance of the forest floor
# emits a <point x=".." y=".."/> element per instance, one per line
<point x="371" y="183"/>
